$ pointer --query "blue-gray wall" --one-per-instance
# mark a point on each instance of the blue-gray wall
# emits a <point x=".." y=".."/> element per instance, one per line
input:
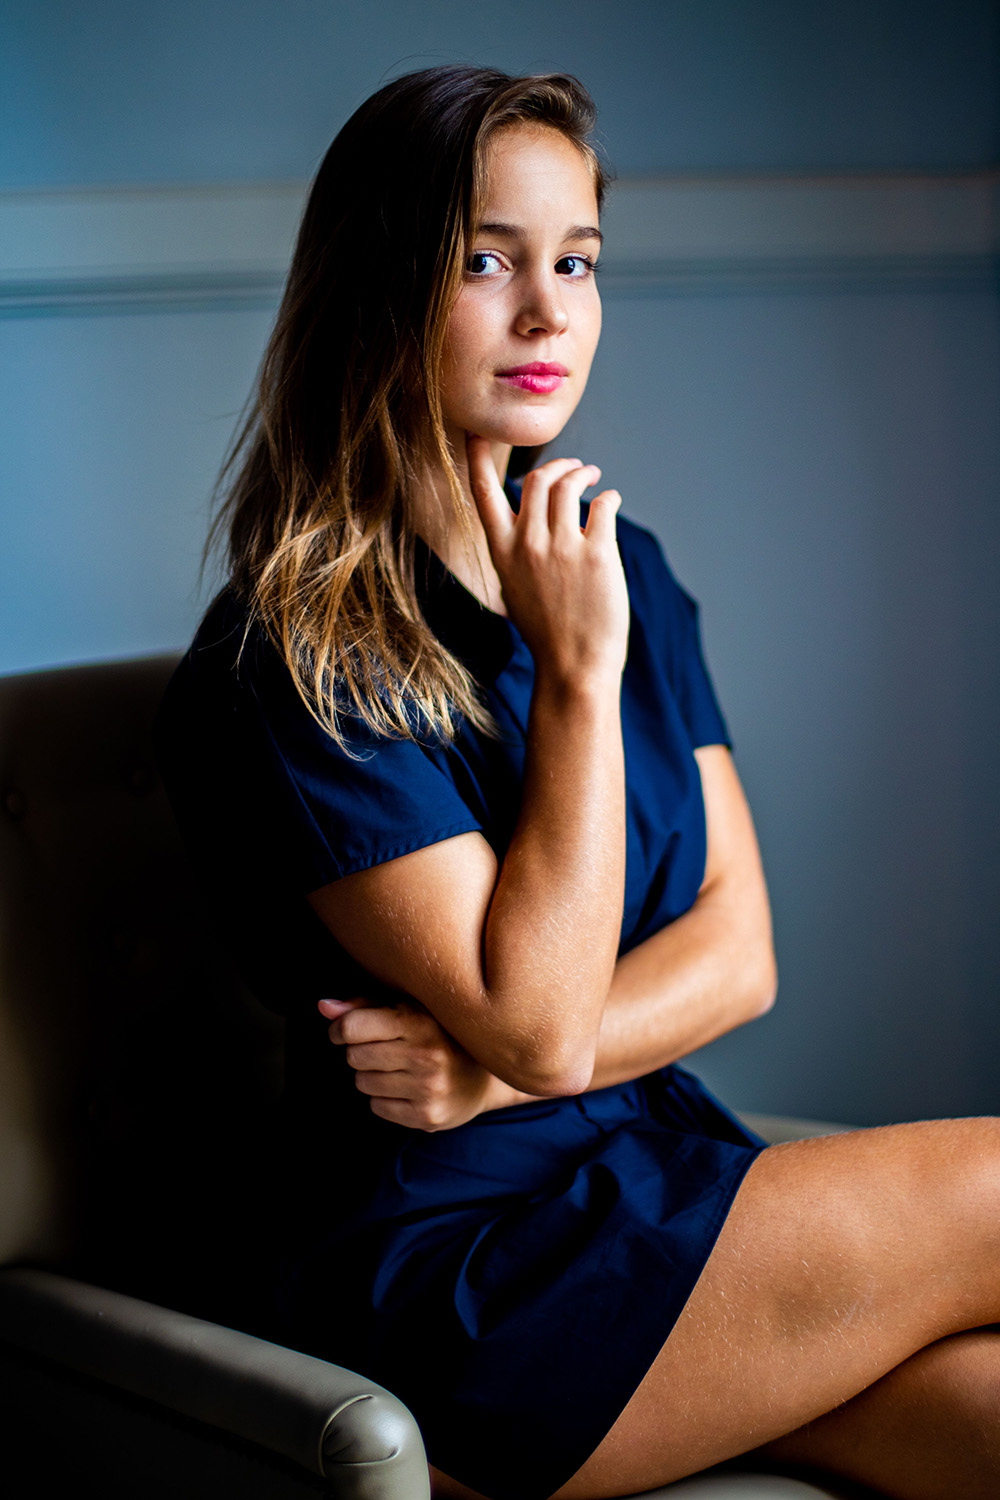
<point x="129" y="91"/>
<point x="820" y="459"/>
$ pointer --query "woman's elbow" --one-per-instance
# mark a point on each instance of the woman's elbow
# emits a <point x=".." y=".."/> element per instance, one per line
<point x="762" y="990"/>
<point x="561" y="1084"/>
<point x="551" y="1072"/>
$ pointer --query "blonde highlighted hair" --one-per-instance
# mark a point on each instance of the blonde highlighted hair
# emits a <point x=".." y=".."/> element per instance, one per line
<point x="348" y="409"/>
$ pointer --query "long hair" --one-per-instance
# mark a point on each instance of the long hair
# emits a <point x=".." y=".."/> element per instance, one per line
<point x="348" y="407"/>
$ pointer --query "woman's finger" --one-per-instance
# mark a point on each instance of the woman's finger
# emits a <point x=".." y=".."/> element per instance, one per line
<point x="334" y="1009"/>
<point x="385" y="1085"/>
<point x="368" y="1023"/>
<point x="533" y="516"/>
<point x="379" y="1057"/>
<point x="600" y="525"/>
<point x="564" y="500"/>
<point x="400" y="1112"/>
<point x="552" y="468"/>
<point x="487" y="491"/>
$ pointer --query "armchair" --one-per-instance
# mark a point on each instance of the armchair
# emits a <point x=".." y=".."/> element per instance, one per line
<point x="138" y="1079"/>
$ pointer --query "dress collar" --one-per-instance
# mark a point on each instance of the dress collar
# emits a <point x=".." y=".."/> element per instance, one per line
<point x="482" y="640"/>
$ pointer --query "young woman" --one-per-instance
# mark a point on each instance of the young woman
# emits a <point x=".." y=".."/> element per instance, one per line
<point x="447" y="753"/>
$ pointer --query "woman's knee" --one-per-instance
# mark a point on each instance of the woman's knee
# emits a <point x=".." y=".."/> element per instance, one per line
<point x="898" y="1208"/>
<point x="967" y="1206"/>
<point x="952" y="1169"/>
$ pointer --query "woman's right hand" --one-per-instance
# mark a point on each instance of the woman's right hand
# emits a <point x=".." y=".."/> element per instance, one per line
<point x="563" y="585"/>
<point x="414" y="1072"/>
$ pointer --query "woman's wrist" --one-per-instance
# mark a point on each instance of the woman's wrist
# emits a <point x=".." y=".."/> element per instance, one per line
<point x="500" y="1095"/>
<point x="589" y="691"/>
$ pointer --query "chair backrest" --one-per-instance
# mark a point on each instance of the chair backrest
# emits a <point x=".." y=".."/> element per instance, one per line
<point x="138" y="1077"/>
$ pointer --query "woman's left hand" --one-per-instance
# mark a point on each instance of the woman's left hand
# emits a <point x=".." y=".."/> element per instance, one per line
<point x="413" y="1071"/>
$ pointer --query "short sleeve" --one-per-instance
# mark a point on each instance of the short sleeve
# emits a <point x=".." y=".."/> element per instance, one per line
<point x="669" y="615"/>
<point x="251" y="772"/>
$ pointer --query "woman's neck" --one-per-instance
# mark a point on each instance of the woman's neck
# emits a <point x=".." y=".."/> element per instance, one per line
<point x="464" y="552"/>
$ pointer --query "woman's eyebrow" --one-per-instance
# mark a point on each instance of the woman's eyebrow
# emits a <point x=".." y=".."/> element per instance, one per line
<point x="515" y="232"/>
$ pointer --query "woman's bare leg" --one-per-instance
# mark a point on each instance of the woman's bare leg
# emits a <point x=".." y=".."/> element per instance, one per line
<point x="930" y="1428"/>
<point x="840" y="1259"/>
<point x="445" y="1488"/>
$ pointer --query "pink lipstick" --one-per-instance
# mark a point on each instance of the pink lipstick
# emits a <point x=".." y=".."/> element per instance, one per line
<point x="538" y="377"/>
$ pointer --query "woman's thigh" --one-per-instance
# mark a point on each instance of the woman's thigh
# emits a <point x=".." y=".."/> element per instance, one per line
<point x="839" y="1259"/>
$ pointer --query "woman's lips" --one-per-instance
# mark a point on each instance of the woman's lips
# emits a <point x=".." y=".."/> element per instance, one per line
<point x="539" y="378"/>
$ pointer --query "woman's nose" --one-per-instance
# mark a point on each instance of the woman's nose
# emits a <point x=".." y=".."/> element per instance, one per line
<point x="543" y="309"/>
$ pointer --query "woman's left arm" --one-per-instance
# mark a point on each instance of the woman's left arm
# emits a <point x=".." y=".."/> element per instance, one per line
<point x="713" y="968"/>
<point x="706" y="973"/>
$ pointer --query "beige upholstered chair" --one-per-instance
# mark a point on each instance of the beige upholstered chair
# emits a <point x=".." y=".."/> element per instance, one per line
<point x="137" y="1083"/>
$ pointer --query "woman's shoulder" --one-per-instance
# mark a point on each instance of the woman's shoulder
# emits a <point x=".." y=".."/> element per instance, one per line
<point x="235" y="698"/>
<point x="229" y="644"/>
<point x="234" y="681"/>
<point x="250" y="767"/>
<point x="217" y="669"/>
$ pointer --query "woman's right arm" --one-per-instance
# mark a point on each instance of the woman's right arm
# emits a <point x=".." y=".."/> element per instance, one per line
<point x="708" y="971"/>
<point x="515" y="960"/>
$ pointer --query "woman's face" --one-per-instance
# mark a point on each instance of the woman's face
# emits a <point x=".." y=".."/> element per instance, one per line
<point x="523" y="331"/>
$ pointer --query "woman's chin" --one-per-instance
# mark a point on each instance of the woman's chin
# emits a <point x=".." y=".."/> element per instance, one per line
<point x="533" y="432"/>
<point x="509" y="430"/>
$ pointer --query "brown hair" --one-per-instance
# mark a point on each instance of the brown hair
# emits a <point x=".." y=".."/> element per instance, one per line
<point x="320" y="537"/>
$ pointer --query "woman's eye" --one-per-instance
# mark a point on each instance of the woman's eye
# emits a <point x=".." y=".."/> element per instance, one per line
<point x="576" y="267"/>
<point x="483" y="263"/>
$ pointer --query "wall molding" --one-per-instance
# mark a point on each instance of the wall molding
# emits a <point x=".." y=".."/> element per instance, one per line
<point x="133" y="248"/>
<point x="129" y="248"/>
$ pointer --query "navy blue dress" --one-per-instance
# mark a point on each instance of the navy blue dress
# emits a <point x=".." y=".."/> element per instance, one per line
<point x="511" y="1280"/>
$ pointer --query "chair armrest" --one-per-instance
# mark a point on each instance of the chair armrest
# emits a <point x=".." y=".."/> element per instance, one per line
<point x="326" y="1419"/>
<point x="776" y="1128"/>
